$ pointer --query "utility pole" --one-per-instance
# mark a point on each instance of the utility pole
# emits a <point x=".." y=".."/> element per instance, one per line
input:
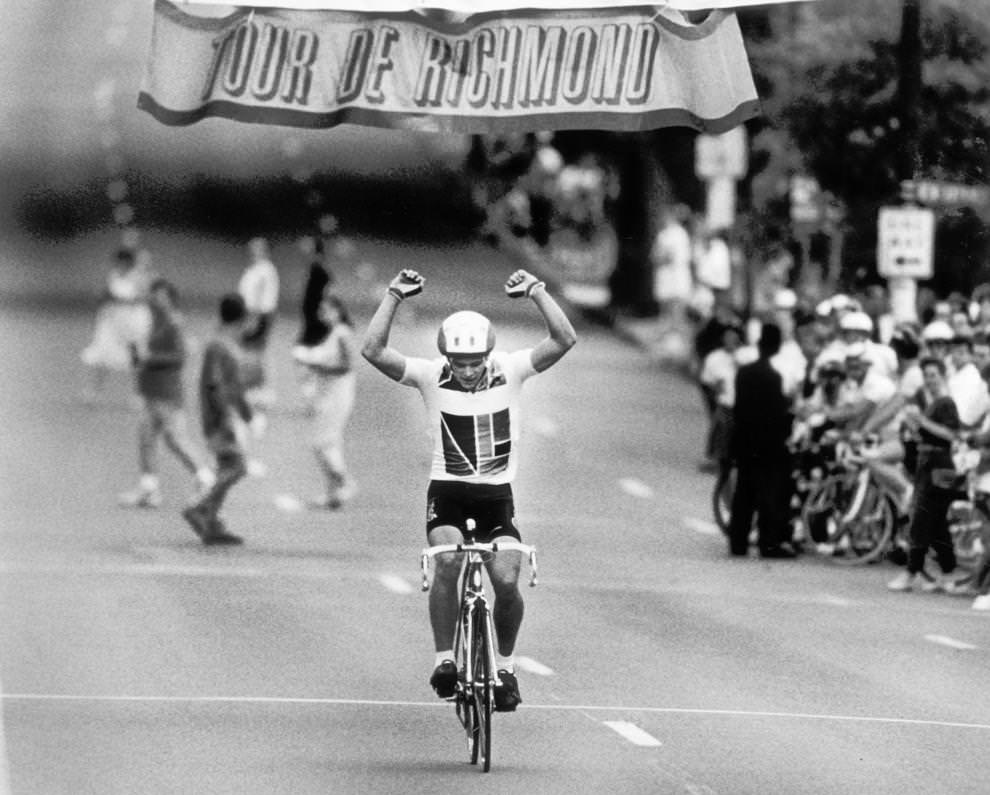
<point x="909" y="57"/>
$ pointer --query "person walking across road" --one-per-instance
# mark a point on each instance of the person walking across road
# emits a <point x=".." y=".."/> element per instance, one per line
<point x="472" y="398"/>
<point x="159" y="368"/>
<point x="259" y="289"/>
<point x="225" y="411"/>
<point x="328" y="385"/>
<point x="762" y="422"/>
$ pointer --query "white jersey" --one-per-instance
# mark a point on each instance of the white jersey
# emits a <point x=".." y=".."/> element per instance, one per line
<point x="259" y="287"/>
<point x="474" y="434"/>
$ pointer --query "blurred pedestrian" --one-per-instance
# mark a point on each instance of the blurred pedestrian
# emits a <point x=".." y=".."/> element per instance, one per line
<point x="319" y="277"/>
<point x="935" y="420"/>
<point x="718" y="377"/>
<point x="159" y="368"/>
<point x="673" y="282"/>
<point x="328" y="386"/>
<point x="225" y="411"/>
<point x="122" y="321"/>
<point x="762" y="423"/>
<point x="259" y="289"/>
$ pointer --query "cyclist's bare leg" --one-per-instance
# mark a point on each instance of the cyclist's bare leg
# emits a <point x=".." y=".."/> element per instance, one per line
<point x="443" y="592"/>
<point x="507" y="612"/>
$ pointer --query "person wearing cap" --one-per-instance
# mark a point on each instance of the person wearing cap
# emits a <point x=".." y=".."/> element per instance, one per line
<point x="472" y="398"/>
<point x="857" y="327"/>
<point x="863" y="391"/>
<point x="936" y="338"/>
<point x="762" y="423"/>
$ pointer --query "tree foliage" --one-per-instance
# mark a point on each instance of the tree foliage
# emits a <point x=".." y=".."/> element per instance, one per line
<point x="828" y="75"/>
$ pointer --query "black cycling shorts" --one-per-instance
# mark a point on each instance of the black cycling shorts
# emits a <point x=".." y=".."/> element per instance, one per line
<point x="452" y="503"/>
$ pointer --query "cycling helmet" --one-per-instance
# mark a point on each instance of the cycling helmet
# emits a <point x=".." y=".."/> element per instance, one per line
<point x="937" y="331"/>
<point x="466" y="333"/>
<point x="856" y="321"/>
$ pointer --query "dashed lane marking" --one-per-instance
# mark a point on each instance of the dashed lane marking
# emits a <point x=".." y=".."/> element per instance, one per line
<point x="531" y="666"/>
<point x="636" y="488"/>
<point x="395" y="584"/>
<point x="701" y="526"/>
<point x="952" y="643"/>
<point x="633" y="733"/>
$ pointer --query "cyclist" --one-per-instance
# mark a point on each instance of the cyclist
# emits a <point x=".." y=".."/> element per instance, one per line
<point x="472" y="395"/>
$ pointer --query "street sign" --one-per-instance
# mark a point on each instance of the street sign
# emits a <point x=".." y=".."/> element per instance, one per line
<point x="945" y="194"/>
<point x="905" y="242"/>
<point x="721" y="155"/>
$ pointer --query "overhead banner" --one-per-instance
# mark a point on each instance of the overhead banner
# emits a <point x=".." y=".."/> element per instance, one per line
<point x="607" y="69"/>
<point x="481" y="6"/>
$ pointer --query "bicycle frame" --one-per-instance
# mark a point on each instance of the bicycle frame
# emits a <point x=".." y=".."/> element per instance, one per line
<point x="474" y="639"/>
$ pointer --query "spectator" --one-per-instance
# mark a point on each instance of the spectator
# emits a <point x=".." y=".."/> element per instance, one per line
<point x="966" y="386"/>
<point x="934" y="419"/>
<point x="671" y="258"/>
<point x="259" y="289"/>
<point x="159" y="383"/>
<point x="223" y="408"/>
<point x="329" y="389"/>
<point x="761" y="427"/>
<point x="718" y="375"/>
<point x="122" y="321"/>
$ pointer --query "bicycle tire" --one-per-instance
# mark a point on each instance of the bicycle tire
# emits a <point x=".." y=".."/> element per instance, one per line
<point x="725" y="486"/>
<point x="464" y="705"/>
<point x="868" y="535"/>
<point x="482" y="689"/>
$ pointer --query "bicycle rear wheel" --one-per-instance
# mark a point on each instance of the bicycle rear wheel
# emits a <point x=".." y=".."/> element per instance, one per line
<point x="482" y="687"/>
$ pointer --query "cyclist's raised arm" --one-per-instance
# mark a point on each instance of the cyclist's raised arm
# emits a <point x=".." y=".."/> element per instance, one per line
<point x="376" y="348"/>
<point x="561" y="336"/>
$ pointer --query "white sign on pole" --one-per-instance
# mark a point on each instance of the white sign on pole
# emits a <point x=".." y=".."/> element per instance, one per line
<point x="905" y="242"/>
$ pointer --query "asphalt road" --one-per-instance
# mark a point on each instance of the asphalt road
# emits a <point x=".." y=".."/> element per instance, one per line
<point x="133" y="660"/>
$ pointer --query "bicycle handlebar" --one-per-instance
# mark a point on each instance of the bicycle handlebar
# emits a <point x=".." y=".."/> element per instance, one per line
<point x="498" y="546"/>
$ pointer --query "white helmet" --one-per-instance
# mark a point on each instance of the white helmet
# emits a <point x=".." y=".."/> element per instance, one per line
<point x="937" y="331"/>
<point x="856" y="321"/>
<point x="466" y="333"/>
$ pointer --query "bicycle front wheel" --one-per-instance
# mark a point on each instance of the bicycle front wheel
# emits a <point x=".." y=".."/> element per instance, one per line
<point x="483" y="687"/>
<point x="867" y="536"/>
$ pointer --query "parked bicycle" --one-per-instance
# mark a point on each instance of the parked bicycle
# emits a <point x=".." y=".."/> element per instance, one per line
<point x="474" y="639"/>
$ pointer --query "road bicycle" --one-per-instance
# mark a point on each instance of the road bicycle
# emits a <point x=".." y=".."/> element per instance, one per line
<point x="474" y="640"/>
<point x="850" y="513"/>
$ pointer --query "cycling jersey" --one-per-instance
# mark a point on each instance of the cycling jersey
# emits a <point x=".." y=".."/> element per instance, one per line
<point x="474" y="432"/>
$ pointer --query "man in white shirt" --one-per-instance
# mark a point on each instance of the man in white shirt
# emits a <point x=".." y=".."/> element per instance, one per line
<point x="966" y="387"/>
<point x="671" y="257"/>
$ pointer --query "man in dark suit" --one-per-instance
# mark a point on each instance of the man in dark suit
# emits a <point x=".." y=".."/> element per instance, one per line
<point x="762" y="424"/>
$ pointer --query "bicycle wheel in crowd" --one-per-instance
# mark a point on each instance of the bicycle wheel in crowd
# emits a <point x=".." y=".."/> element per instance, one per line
<point x="867" y="536"/>
<point x="483" y="697"/>
<point x="725" y="487"/>
<point x="819" y="511"/>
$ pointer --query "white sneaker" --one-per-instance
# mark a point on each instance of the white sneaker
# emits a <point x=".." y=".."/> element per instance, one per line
<point x="256" y="468"/>
<point x="981" y="602"/>
<point x="205" y="480"/>
<point x="140" y="498"/>
<point x="905" y="581"/>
